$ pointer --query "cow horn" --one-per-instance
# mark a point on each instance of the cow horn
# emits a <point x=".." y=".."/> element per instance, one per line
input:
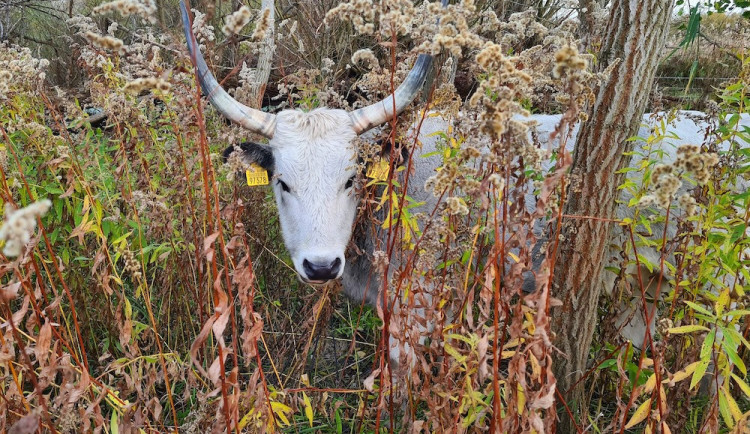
<point x="250" y="118"/>
<point x="383" y="111"/>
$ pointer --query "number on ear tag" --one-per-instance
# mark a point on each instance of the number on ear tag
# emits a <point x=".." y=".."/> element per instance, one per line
<point x="379" y="170"/>
<point x="256" y="175"/>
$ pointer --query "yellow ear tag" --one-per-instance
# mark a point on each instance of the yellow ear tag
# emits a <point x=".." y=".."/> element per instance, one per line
<point x="379" y="170"/>
<point x="256" y="175"/>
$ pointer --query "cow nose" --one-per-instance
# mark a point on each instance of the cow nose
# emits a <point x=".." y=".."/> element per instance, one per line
<point x="322" y="271"/>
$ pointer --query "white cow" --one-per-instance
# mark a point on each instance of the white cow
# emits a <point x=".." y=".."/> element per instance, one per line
<point x="313" y="163"/>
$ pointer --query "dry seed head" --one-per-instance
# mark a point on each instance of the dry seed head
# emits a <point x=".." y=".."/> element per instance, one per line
<point x="568" y="62"/>
<point x="456" y="205"/>
<point x="148" y="83"/>
<point x="106" y="42"/>
<point x="365" y="58"/>
<point x="132" y="265"/>
<point x="19" y="225"/>
<point x="262" y="26"/>
<point x="236" y="21"/>
<point x="688" y="203"/>
<point x="690" y="158"/>
<point x="146" y="9"/>
<point x="497" y="180"/>
<point x="327" y="66"/>
<point x="235" y="162"/>
<point x="665" y="188"/>
<point x="361" y="13"/>
<point x="203" y="32"/>
<point x="380" y="260"/>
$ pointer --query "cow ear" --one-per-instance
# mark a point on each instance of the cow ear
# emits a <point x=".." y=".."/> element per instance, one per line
<point x="386" y="149"/>
<point x="252" y="153"/>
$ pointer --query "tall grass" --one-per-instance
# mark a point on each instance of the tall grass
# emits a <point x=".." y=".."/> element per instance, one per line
<point x="156" y="295"/>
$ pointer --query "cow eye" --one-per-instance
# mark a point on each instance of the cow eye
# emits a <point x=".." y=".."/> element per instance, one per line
<point x="349" y="183"/>
<point x="283" y="186"/>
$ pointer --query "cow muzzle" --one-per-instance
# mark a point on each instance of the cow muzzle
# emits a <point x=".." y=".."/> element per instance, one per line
<point x="321" y="271"/>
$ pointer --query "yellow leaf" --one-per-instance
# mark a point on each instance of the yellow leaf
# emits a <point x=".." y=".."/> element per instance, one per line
<point x="536" y="368"/>
<point x="280" y="411"/>
<point x="734" y="409"/>
<point x="686" y="329"/>
<point x="743" y="386"/>
<point x="530" y="325"/>
<point x="245" y="419"/>
<point x="308" y="408"/>
<point x="650" y="383"/>
<point x="514" y="257"/>
<point x="512" y="343"/>
<point x="640" y="414"/>
<point x="507" y="354"/>
<point x="662" y="402"/>
<point x="722" y="301"/>
<point x="665" y="428"/>
<point x="521" y="399"/>
<point x="684" y="373"/>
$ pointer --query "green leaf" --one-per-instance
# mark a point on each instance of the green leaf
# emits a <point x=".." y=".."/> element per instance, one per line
<point x="455" y="354"/>
<point x="708" y="345"/>
<point x="737" y="313"/>
<point x="724" y="410"/>
<point x="700" y="371"/>
<point x="698" y="308"/>
<point x="114" y="424"/>
<point x="642" y="259"/>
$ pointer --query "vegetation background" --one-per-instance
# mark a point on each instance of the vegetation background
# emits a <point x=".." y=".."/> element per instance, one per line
<point x="153" y="293"/>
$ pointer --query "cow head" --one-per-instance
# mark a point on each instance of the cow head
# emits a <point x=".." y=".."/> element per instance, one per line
<point x="313" y="164"/>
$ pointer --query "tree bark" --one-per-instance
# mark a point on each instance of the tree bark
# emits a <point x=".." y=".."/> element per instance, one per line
<point x="637" y="35"/>
<point x="265" y="57"/>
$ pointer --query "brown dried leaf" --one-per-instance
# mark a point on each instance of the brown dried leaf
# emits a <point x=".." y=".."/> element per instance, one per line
<point x="214" y="371"/>
<point x="26" y="425"/>
<point x="41" y="350"/>
<point x="369" y="382"/>
<point x="220" y="325"/>
<point x="250" y="337"/>
<point x="208" y="246"/>
<point x="198" y="342"/>
<point x="546" y="400"/>
<point x="10" y="291"/>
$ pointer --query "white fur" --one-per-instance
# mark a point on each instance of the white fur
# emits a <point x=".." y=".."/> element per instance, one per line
<point x="314" y="157"/>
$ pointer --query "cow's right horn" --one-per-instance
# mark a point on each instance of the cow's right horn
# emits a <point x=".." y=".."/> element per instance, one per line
<point x="249" y="118"/>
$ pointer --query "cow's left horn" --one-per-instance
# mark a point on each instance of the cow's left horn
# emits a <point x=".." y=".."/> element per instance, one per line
<point x="250" y="118"/>
<point x="383" y="111"/>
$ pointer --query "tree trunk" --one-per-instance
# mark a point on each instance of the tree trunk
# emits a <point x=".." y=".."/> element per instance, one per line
<point x="265" y="57"/>
<point x="637" y="35"/>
